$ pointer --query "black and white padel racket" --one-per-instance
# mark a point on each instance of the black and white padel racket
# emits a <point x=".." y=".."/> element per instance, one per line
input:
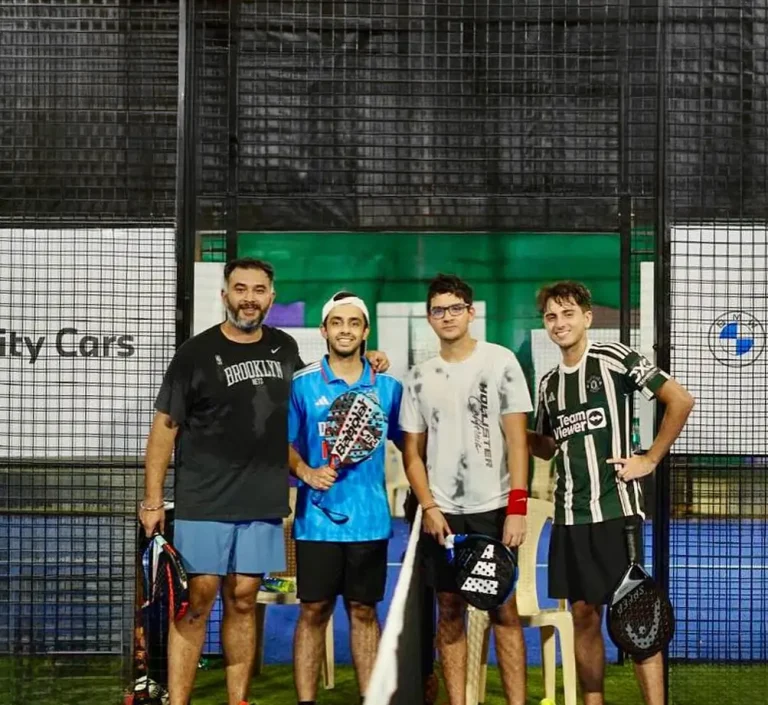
<point x="355" y="427"/>
<point x="486" y="569"/>
<point x="640" y="618"/>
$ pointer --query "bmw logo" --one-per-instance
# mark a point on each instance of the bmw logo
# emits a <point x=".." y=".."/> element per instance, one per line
<point x="736" y="339"/>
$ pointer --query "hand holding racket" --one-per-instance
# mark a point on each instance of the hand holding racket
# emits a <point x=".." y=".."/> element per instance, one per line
<point x="355" y="427"/>
<point x="434" y="523"/>
<point x="166" y="577"/>
<point x="486" y="569"/>
<point x="162" y="596"/>
<point x="640" y="617"/>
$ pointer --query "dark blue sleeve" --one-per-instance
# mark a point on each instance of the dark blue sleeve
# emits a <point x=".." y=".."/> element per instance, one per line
<point x="395" y="434"/>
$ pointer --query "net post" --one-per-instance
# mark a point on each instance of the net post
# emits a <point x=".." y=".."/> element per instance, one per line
<point x="185" y="172"/>
<point x="661" y="530"/>
<point x="427" y="638"/>
<point x="233" y="156"/>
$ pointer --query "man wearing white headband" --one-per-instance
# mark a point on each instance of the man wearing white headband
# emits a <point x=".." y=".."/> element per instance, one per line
<point x="346" y="302"/>
<point x="341" y="549"/>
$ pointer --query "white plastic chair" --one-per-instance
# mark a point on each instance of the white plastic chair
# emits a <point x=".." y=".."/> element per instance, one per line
<point x="548" y="620"/>
<point x="290" y="598"/>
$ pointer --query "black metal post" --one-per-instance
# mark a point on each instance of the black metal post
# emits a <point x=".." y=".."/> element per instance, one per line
<point x="186" y="192"/>
<point x="625" y="200"/>
<point x="426" y="593"/>
<point x="233" y="175"/>
<point x="625" y="203"/>
<point x="661" y="533"/>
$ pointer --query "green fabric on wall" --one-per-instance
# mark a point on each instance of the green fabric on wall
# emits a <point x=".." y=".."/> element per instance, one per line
<point x="505" y="270"/>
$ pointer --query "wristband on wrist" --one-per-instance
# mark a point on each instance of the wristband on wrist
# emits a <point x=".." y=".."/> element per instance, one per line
<point x="145" y="508"/>
<point x="517" y="502"/>
<point x="428" y="507"/>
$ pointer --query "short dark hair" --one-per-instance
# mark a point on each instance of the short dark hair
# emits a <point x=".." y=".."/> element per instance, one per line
<point x="249" y="263"/>
<point x="449" y="284"/>
<point x="564" y="291"/>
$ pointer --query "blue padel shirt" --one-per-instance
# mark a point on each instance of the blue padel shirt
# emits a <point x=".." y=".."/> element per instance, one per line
<point x="360" y="490"/>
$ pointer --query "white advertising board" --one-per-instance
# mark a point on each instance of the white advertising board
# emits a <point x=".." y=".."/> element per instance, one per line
<point x="719" y="315"/>
<point x="86" y="332"/>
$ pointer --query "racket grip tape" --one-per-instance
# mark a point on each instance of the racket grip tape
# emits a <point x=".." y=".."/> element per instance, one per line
<point x="632" y="535"/>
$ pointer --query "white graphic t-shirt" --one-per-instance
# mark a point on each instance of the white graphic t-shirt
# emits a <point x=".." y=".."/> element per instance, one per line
<point x="460" y="405"/>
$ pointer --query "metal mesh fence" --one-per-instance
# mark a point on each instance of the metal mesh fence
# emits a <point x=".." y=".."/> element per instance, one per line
<point x="425" y="115"/>
<point x="88" y="94"/>
<point x="412" y="115"/>
<point x="716" y="269"/>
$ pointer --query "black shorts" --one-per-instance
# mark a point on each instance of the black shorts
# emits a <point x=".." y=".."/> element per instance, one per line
<point x="356" y="571"/>
<point x="587" y="561"/>
<point x="437" y="571"/>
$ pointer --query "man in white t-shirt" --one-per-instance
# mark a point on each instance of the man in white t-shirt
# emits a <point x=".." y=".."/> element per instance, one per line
<point x="466" y="458"/>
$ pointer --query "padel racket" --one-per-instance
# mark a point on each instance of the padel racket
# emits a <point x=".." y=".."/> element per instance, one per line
<point x="640" y="617"/>
<point x="168" y="579"/>
<point x="486" y="569"/>
<point x="162" y="594"/>
<point x="355" y="427"/>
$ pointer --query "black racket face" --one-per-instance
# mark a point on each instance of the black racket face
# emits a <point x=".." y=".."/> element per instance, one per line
<point x="485" y="570"/>
<point x="640" y="618"/>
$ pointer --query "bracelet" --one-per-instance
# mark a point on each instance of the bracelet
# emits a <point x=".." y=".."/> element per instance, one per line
<point x="431" y="506"/>
<point x="145" y="508"/>
<point x="517" y="503"/>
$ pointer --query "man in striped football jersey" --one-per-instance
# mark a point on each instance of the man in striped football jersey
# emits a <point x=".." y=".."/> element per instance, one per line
<point x="583" y="419"/>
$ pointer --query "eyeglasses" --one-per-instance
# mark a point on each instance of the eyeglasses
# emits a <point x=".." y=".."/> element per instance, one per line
<point x="455" y="309"/>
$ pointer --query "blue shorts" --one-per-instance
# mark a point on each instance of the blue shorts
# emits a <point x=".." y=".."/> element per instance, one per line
<point x="223" y="547"/>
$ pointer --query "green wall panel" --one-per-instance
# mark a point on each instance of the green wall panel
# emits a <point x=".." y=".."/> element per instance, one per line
<point x="505" y="270"/>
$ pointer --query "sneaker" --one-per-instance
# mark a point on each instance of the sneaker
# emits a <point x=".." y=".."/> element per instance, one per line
<point x="282" y="585"/>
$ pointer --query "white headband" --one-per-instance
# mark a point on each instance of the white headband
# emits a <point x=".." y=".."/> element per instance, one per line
<point x="352" y="301"/>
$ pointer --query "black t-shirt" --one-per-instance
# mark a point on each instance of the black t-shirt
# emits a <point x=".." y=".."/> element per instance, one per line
<point x="230" y="401"/>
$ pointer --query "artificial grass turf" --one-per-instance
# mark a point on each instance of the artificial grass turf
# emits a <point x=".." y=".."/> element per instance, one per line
<point x="689" y="685"/>
<point x="87" y="680"/>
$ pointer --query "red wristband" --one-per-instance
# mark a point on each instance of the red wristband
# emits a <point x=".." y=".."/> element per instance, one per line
<point x="518" y="502"/>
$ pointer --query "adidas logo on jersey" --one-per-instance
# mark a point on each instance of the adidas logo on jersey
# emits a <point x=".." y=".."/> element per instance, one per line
<point x="322" y="401"/>
<point x="580" y="422"/>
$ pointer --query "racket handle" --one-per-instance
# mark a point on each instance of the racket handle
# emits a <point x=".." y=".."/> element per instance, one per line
<point x="632" y="534"/>
<point x="450" y="542"/>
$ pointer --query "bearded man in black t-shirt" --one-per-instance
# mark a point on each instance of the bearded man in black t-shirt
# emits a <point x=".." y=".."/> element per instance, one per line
<point x="223" y="408"/>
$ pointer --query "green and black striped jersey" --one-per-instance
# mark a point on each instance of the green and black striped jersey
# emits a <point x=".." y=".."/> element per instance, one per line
<point x="585" y="409"/>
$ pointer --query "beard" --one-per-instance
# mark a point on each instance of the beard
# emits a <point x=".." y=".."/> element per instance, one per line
<point x="245" y="325"/>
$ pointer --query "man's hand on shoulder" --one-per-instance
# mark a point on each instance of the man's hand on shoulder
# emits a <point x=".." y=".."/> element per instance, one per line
<point x="540" y="445"/>
<point x="377" y="360"/>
